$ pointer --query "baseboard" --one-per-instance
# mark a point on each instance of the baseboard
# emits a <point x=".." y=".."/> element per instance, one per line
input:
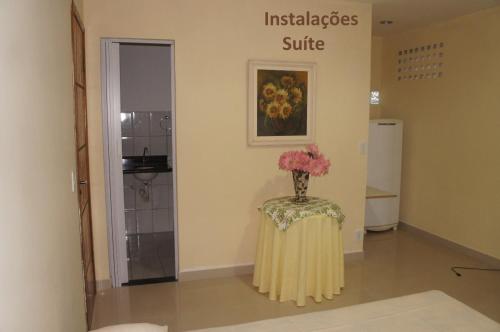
<point x="217" y="272"/>
<point x="486" y="259"/>
<point x="244" y="269"/>
<point x="354" y="256"/>
<point x="104" y="284"/>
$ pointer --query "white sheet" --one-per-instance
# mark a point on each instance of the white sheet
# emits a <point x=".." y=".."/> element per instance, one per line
<point x="140" y="327"/>
<point x="429" y="311"/>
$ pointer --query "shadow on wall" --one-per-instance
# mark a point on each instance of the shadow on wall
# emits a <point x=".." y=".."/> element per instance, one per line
<point x="281" y="185"/>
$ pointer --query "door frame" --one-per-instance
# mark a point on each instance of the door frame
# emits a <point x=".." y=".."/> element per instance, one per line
<point x="86" y="232"/>
<point x="110" y="97"/>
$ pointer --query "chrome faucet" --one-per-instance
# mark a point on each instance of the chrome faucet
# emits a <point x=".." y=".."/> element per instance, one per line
<point x="146" y="150"/>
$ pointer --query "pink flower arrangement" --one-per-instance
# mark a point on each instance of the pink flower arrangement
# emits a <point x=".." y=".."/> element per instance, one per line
<point x="310" y="161"/>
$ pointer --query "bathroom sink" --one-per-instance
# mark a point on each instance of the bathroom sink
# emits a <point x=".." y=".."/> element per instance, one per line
<point x="145" y="176"/>
<point x="144" y="173"/>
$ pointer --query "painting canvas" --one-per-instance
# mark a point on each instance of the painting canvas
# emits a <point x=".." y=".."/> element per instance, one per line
<point x="280" y="103"/>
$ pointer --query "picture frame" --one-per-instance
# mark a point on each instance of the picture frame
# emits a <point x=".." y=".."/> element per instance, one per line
<point x="281" y="102"/>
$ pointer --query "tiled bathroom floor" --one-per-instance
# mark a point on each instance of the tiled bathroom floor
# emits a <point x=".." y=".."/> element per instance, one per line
<point x="151" y="255"/>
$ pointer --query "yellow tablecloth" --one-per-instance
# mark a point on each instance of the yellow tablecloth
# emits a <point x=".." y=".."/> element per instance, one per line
<point x="305" y="260"/>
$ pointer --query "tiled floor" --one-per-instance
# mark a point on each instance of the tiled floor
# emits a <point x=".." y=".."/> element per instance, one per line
<point x="151" y="255"/>
<point x="396" y="263"/>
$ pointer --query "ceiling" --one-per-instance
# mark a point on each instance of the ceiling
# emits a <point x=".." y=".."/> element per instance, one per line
<point x="410" y="14"/>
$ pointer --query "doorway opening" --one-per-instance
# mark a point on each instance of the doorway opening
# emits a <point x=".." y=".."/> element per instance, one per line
<point x="139" y="129"/>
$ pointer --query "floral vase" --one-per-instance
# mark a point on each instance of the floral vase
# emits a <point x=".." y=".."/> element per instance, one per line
<point x="300" y="182"/>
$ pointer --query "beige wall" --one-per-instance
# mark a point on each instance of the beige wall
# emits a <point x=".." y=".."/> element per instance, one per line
<point x="451" y="159"/>
<point x="376" y="73"/>
<point x="221" y="180"/>
<point x="79" y="7"/>
<point x="41" y="286"/>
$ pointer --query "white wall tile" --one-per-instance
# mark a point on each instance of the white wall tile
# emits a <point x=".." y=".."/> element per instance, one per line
<point x="126" y="124"/>
<point x="129" y="197"/>
<point x="169" y="123"/>
<point x="159" y="124"/>
<point x="131" y="181"/>
<point x="163" y="178"/>
<point x="144" y="221"/>
<point x="128" y="180"/>
<point x="139" y="144"/>
<point x="162" y="196"/>
<point x="127" y="146"/>
<point x="161" y="221"/>
<point x="141" y="124"/>
<point x="170" y="219"/>
<point x="141" y="202"/>
<point x="169" y="147"/>
<point x="159" y="145"/>
<point x="170" y="189"/>
<point x="130" y="222"/>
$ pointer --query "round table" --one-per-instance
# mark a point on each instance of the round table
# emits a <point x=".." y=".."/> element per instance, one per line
<point x="299" y="250"/>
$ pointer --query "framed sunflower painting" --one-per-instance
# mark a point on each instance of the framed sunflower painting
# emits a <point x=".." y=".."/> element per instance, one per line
<point x="281" y="103"/>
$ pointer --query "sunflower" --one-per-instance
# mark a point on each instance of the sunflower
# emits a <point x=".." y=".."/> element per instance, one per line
<point x="262" y="105"/>
<point x="269" y="91"/>
<point x="281" y="96"/>
<point x="296" y="95"/>
<point x="285" y="111"/>
<point x="273" y="110"/>
<point x="287" y="81"/>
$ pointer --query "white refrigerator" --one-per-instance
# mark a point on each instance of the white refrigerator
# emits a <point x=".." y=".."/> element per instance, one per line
<point x="385" y="144"/>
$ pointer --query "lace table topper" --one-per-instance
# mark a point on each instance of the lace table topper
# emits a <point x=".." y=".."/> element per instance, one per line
<point x="283" y="211"/>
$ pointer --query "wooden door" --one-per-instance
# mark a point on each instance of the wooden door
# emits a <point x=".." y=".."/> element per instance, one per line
<point x="83" y="182"/>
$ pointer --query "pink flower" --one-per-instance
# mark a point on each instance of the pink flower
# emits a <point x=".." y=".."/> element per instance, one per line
<point x="294" y="160"/>
<point x="286" y="161"/>
<point x="311" y="161"/>
<point x="313" y="149"/>
<point x="301" y="161"/>
<point x="319" y="166"/>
